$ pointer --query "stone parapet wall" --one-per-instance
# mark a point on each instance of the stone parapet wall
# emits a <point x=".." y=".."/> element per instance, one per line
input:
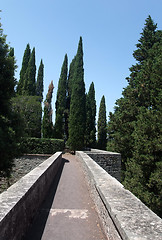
<point x="109" y="161"/>
<point x="20" y="203"/>
<point x="124" y="217"/>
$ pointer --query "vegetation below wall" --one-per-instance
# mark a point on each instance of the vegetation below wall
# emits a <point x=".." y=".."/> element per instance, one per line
<point x="41" y="145"/>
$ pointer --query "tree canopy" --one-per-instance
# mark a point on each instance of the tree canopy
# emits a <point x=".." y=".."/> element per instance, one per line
<point x="39" y="83"/>
<point x="90" y="133"/>
<point x="24" y="67"/>
<point x="134" y="128"/>
<point x="102" y="125"/>
<point x="47" y="126"/>
<point x="77" y="117"/>
<point x="9" y="131"/>
<point x="61" y="101"/>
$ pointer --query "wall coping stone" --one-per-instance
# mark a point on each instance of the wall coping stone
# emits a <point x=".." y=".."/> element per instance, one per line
<point x="132" y="219"/>
<point x="26" y="193"/>
<point x="99" y="151"/>
<point x="109" y="161"/>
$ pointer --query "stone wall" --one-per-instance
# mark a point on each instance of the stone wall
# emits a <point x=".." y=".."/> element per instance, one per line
<point x="20" y="203"/>
<point x="109" y="161"/>
<point x="124" y="217"/>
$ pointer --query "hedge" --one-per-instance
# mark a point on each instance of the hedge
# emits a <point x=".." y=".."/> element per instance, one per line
<point x="41" y="145"/>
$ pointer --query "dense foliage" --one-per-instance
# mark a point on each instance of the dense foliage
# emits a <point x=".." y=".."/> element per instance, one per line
<point x="68" y="96"/>
<point x="39" y="83"/>
<point x="90" y="132"/>
<point x="61" y="101"/>
<point x="77" y="117"/>
<point x="73" y="107"/>
<point x="41" y="145"/>
<point x="30" y="114"/>
<point x="47" y="125"/>
<point x="26" y="103"/>
<point x="29" y="87"/>
<point x="102" y="125"/>
<point x="26" y="57"/>
<point x="134" y="128"/>
<point x="9" y="131"/>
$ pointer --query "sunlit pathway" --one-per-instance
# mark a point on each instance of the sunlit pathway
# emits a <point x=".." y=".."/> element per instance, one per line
<point x="68" y="212"/>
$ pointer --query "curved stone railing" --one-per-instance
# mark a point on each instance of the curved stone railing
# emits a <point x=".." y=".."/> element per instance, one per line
<point x="20" y="203"/>
<point x="123" y="215"/>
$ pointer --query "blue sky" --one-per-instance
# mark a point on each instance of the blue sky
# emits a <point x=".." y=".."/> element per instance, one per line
<point x="110" y="31"/>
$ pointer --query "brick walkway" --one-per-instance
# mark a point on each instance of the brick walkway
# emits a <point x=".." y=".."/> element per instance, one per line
<point x="68" y="212"/>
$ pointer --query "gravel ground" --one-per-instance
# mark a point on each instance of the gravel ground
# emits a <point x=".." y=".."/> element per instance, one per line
<point x="21" y="167"/>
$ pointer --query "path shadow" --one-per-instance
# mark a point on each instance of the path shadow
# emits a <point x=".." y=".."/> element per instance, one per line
<point x="36" y="230"/>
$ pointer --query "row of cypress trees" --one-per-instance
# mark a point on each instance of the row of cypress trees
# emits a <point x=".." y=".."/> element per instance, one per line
<point x="27" y="84"/>
<point x="134" y="128"/>
<point x="76" y="110"/>
<point x="29" y="95"/>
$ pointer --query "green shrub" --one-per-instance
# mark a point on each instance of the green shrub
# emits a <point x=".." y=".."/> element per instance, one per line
<point x="41" y="145"/>
<point x="30" y="111"/>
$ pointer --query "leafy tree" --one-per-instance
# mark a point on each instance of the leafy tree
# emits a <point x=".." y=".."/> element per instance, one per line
<point x="146" y="160"/>
<point x="122" y="122"/>
<point x="61" y="101"/>
<point x="8" y="127"/>
<point x="102" y="124"/>
<point x="90" y="136"/>
<point x="47" y="126"/>
<point x="134" y="128"/>
<point x="29" y="110"/>
<point x="39" y="83"/>
<point x="147" y="134"/>
<point x="30" y="83"/>
<point x="77" y="116"/>
<point x="25" y="62"/>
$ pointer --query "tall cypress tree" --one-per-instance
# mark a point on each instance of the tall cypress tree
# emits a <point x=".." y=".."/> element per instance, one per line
<point x="39" y="83"/>
<point x="90" y="136"/>
<point x="102" y="131"/>
<point x="77" y="116"/>
<point x="24" y="67"/>
<point x="70" y="79"/>
<point x="47" y="126"/>
<point x="61" y="101"/>
<point x="30" y="83"/>
<point x="88" y="122"/>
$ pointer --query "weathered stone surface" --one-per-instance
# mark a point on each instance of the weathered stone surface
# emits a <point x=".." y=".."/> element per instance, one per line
<point x="109" y="161"/>
<point x="19" y="204"/>
<point x="22" y="166"/>
<point x="132" y="220"/>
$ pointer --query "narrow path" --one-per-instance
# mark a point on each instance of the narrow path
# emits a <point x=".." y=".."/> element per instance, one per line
<point x="68" y="212"/>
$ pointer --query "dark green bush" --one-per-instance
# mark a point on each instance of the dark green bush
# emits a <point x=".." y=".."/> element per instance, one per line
<point x="30" y="111"/>
<point x="41" y="145"/>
